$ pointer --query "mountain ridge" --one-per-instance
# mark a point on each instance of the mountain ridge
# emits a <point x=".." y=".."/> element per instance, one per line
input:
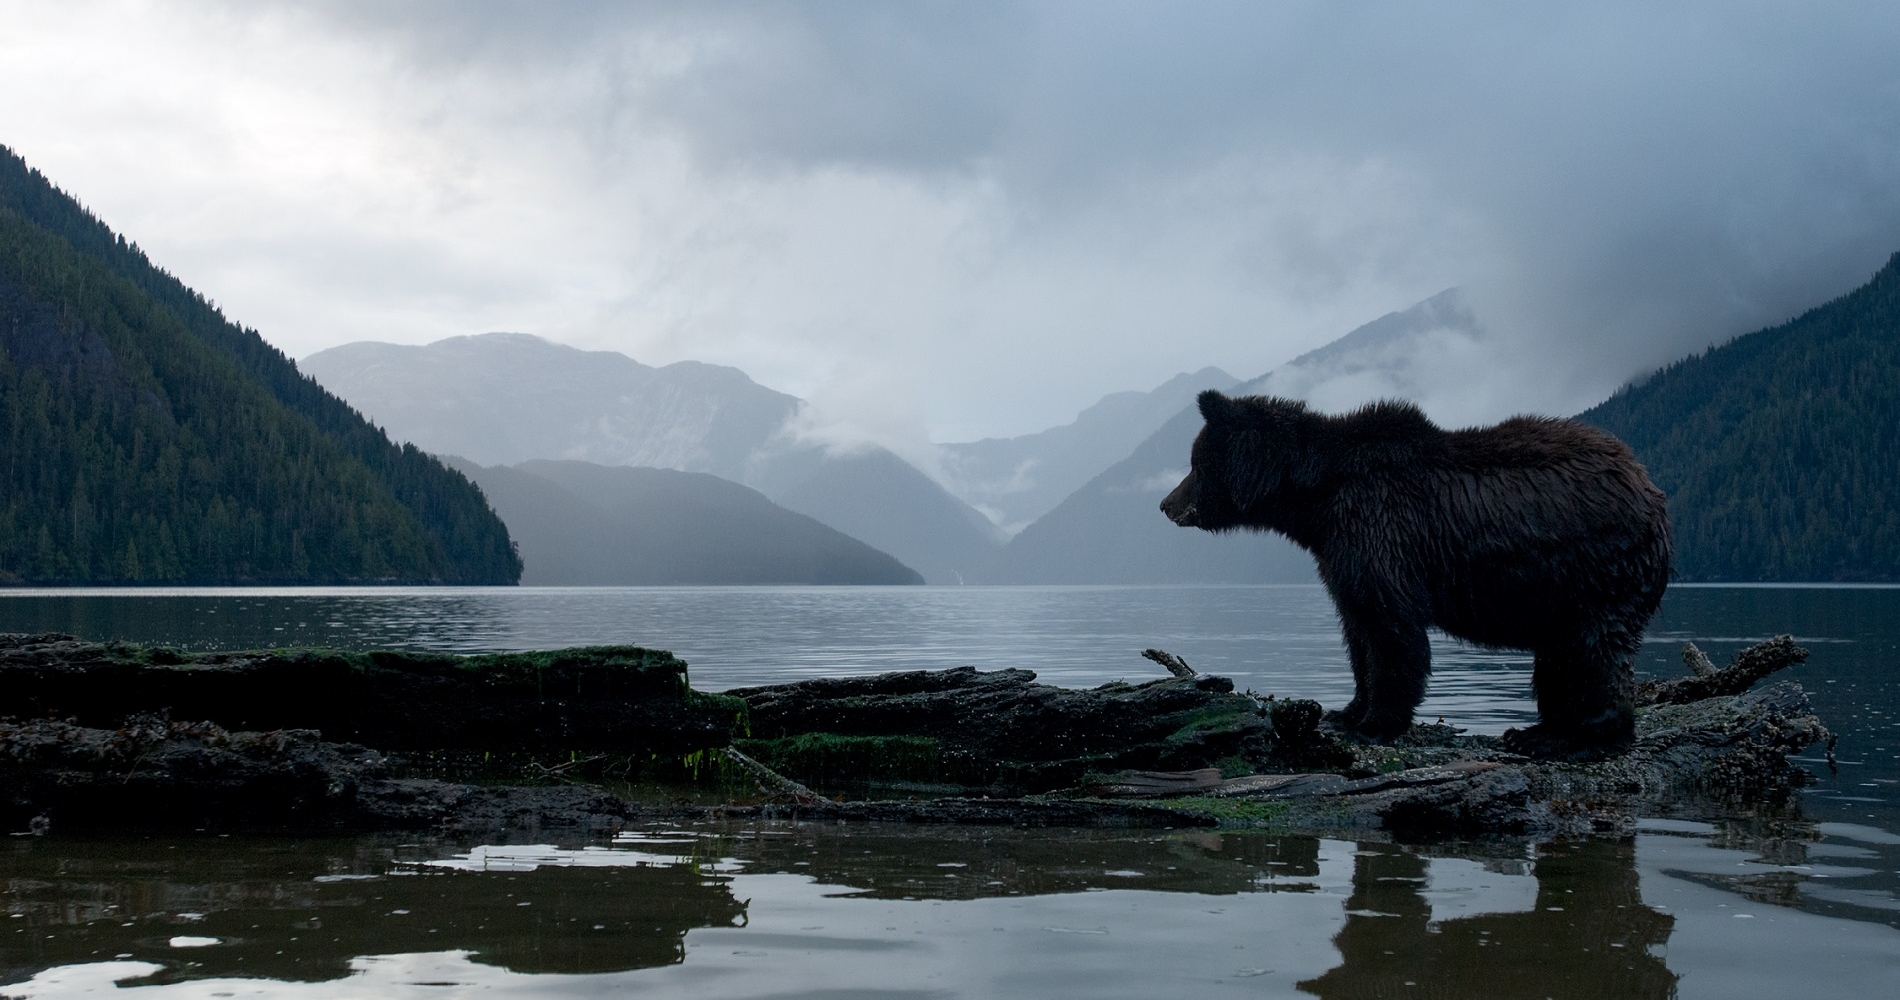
<point x="1780" y="449"/>
<point x="150" y="439"/>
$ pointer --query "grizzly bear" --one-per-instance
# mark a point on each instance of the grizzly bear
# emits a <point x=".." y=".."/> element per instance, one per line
<point x="1537" y="534"/>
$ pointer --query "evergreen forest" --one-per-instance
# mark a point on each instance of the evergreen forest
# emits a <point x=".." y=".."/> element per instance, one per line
<point x="1780" y="450"/>
<point x="148" y="439"/>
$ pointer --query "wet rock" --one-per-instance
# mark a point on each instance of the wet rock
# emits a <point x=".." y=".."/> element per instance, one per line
<point x="154" y="774"/>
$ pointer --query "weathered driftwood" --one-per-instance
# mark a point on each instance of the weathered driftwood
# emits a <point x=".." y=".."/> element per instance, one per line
<point x="1158" y="784"/>
<point x="154" y="774"/>
<point x="1724" y="748"/>
<point x="770" y="782"/>
<point x="1706" y="681"/>
<point x="1176" y="666"/>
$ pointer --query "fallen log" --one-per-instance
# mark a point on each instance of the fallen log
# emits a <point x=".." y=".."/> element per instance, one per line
<point x="621" y="700"/>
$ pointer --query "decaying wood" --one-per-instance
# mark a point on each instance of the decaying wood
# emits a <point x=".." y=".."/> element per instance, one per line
<point x="1705" y="681"/>
<point x="1176" y="666"/>
<point x="1157" y="784"/>
<point x="773" y="783"/>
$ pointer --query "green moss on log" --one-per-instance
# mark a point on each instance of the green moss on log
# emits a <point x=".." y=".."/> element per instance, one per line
<point x="624" y="700"/>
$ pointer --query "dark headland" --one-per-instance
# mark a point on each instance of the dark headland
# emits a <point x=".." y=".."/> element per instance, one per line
<point x="121" y="737"/>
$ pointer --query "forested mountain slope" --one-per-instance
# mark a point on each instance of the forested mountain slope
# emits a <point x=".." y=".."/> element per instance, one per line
<point x="1780" y="450"/>
<point x="146" y="438"/>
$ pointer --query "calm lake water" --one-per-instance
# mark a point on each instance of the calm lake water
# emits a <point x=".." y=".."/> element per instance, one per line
<point x="1798" y="904"/>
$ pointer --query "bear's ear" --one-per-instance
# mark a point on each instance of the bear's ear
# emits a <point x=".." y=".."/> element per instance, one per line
<point x="1214" y="406"/>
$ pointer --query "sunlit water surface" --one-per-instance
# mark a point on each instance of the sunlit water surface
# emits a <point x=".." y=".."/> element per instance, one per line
<point x="1711" y="905"/>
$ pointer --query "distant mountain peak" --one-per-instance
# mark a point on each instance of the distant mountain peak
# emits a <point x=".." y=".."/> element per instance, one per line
<point x="1448" y="310"/>
<point x="1435" y="354"/>
<point x="1014" y="481"/>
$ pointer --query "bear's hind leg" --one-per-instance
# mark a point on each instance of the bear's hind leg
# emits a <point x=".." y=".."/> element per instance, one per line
<point x="1584" y="703"/>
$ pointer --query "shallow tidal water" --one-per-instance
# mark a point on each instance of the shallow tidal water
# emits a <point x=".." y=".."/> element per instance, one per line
<point x="1797" y="902"/>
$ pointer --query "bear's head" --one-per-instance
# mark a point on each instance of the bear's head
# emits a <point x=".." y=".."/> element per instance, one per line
<point x="1248" y="452"/>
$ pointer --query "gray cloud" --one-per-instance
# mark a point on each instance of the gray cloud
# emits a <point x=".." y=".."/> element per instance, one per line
<point x="1699" y="166"/>
<point x="978" y="218"/>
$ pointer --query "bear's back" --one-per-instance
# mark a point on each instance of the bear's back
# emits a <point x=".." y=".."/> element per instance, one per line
<point x="1534" y="443"/>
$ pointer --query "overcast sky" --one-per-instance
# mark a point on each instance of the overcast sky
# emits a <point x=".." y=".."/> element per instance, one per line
<point x="961" y="219"/>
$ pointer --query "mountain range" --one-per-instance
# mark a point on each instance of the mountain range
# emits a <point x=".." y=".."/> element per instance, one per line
<point x="503" y="398"/>
<point x="1072" y="504"/>
<point x="148" y="438"/>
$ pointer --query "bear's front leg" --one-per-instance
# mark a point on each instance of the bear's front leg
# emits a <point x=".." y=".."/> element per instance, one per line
<point x="1390" y="665"/>
<point x="1347" y="719"/>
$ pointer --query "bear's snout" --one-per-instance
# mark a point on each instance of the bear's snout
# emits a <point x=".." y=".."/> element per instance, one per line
<point x="1179" y="505"/>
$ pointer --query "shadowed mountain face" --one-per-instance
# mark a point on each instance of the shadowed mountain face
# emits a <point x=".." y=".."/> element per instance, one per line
<point x="881" y="499"/>
<point x="1017" y="480"/>
<point x="502" y="398"/>
<point x="1112" y="531"/>
<point x="582" y="524"/>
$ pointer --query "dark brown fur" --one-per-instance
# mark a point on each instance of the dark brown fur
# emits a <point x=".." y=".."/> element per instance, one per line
<point x="1536" y="534"/>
